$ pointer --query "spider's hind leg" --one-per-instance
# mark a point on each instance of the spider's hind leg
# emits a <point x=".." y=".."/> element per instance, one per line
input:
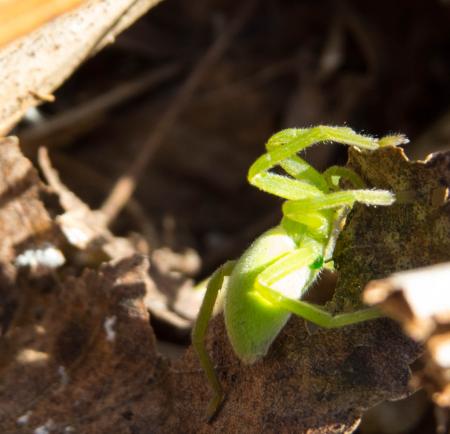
<point x="199" y="334"/>
<point x="316" y="314"/>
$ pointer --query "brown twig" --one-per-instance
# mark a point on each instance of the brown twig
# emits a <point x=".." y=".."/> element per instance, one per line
<point x="260" y="78"/>
<point x="96" y="106"/>
<point x="97" y="179"/>
<point x="126" y="184"/>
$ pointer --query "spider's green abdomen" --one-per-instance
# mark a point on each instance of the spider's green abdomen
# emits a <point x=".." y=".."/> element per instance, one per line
<point x="253" y="323"/>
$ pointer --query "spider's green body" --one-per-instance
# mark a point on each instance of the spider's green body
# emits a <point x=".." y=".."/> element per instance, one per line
<point x="267" y="282"/>
<point x="252" y="322"/>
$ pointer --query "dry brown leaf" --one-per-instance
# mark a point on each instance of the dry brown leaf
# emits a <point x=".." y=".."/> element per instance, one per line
<point x="89" y="362"/>
<point x="25" y="224"/>
<point x="420" y="301"/>
<point x="410" y="234"/>
<point x="22" y="214"/>
<point x="32" y="67"/>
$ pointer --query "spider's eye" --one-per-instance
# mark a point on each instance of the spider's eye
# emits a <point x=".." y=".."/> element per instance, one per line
<point x="317" y="264"/>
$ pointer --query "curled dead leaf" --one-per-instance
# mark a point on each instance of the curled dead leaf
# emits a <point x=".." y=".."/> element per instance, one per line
<point x="420" y="301"/>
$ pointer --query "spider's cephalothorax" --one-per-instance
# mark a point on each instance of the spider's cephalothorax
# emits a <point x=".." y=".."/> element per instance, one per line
<point x="267" y="282"/>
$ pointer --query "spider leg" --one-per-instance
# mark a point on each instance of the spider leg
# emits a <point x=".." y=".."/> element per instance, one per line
<point x="313" y="313"/>
<point x="199" y="334"/>
<point x="309" y="253"/>
<point x="300" y="169"/>
<point x="291" y="209"/>
<point x="314" y="212"/>
<point x="339" y="172"/>
<point x="284" y="146"/>
<point x="308" y="212"/>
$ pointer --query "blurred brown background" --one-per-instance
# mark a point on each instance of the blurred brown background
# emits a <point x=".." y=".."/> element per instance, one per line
<point x="376" y="67"/>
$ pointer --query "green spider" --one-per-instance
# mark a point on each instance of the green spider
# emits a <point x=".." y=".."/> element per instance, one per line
<point x="266" y="284"/>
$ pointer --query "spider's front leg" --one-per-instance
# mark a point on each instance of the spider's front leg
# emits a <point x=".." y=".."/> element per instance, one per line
<point x="282" y="150"/>
<point x="294" y="209"/>
<point x="309" y="212"/>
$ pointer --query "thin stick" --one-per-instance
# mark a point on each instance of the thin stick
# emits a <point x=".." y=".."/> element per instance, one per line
<point x="126" y="184"/>
<point x="96" y="106"/>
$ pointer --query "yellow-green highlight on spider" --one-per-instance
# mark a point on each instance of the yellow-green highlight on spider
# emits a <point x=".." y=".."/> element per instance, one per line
<point x="266" y="284"/>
